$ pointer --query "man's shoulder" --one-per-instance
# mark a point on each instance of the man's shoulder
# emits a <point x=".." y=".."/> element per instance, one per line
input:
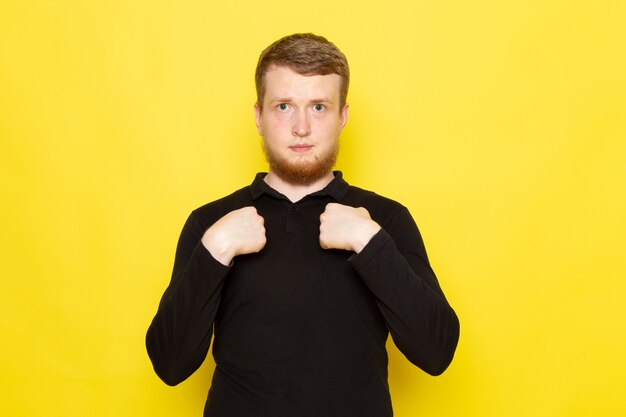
<point x="361" y="195"/>
<point x="378" y="205"/>
<point x="210" y="212"/>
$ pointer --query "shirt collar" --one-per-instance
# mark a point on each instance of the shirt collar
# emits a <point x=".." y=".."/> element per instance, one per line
<point x="336" y="189"/>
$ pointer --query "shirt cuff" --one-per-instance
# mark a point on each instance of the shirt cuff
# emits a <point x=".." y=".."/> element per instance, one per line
<point x="208" y="262"/>
<point x="375" y="245"/>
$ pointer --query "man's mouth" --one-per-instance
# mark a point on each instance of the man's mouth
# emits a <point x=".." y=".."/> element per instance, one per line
<point x="301" y="148"/>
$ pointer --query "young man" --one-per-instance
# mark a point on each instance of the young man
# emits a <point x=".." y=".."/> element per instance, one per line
<point x="300" y="276"/>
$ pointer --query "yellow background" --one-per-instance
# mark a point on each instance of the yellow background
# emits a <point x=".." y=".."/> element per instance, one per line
<point x="501" y="125"/>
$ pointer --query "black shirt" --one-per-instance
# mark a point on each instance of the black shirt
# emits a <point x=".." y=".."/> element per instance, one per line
<point x="299" y="330"/>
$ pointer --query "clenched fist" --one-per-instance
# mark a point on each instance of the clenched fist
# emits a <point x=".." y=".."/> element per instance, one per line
<point x="345" y="227"/>
<point x="237" y="233"/>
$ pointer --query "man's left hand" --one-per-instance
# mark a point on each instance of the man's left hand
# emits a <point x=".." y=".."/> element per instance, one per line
<point x="345" y="227"/>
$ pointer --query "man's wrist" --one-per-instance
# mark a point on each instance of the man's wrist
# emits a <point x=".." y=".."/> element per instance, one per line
<point x="365" y="236"/>
<point x="220" y="252"/>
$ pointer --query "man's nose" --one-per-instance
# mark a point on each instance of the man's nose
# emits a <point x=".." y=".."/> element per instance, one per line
<point x="301" y="126"/>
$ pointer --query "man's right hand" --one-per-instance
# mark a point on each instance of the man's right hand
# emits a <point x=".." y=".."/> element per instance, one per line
<point x="238" y="233"/>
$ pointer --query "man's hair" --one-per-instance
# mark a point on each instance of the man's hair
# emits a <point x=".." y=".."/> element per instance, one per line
<point x="306" y="54"/>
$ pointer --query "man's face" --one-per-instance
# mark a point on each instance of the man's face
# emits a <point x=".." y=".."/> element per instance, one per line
<point x="300" y="124"/>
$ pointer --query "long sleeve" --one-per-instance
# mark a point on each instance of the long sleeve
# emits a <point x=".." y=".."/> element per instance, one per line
<point x="394" y="266"/>
<point x="179" y="336"/>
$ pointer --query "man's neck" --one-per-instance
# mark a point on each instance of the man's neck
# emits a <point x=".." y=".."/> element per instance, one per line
<point x="296" y="192"/>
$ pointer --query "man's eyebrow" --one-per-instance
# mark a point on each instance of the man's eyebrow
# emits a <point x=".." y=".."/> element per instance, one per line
<point x="322" y="100"/>
<point x="281" y="99"/>
<point x="290" y="99"/>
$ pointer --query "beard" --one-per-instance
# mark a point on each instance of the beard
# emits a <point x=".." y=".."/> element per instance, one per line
<point x="302" y="171"/>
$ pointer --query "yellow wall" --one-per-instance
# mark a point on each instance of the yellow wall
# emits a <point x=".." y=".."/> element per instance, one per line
<point x="501" y="125"/>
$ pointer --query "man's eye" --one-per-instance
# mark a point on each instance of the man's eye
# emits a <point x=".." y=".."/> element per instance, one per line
<point x="319" y="107"/>
<point x="283" y="107"/>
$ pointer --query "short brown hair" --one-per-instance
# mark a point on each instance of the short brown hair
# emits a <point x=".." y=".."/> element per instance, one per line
<point x="306" y="54"/>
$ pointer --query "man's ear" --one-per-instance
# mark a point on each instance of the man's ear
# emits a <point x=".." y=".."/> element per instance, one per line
<point x="257" y="118"/>
<point x="344" y="115"/>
